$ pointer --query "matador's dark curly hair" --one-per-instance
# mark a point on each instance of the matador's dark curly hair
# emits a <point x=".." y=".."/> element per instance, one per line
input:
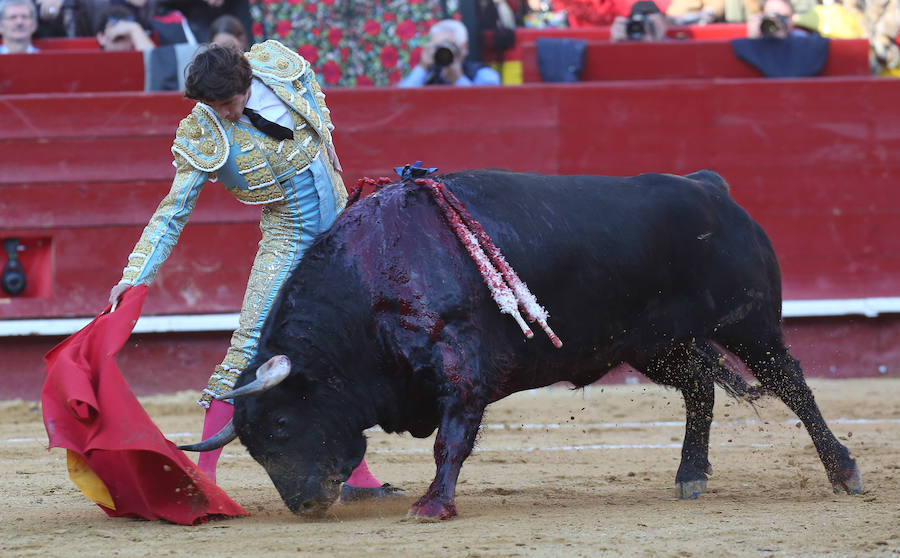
<point x="217" y="73"/>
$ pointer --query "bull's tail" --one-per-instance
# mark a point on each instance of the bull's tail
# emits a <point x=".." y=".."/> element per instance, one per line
<point x="726" y="372"/>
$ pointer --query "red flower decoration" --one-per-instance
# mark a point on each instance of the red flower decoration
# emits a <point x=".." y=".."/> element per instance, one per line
<point x="334" y="36"/>
<point x="364" y="81"/>
<point x="415" y="56"/>
<point x="309" y="52"/>
<point x="395" y="77"/>
<point x="345" y="54"/>
<point x="294" y="2"/>
<point x="316" y="32"/>
<point x="372" y="27"/>
<point x="312" y="8"/>
<point x="257" y="29"/>
<point x="389" y="56"/>
<point x="283" y="28"/>
<point x="406" y="29"/>
<point x="367" y="47"/>
<point x="331" y="72"/>
<point x="328" y="2"/>
<point x="387" y="16"/>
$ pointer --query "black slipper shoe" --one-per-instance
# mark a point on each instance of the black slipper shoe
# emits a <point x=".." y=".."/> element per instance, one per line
<point x="350" y="493"/>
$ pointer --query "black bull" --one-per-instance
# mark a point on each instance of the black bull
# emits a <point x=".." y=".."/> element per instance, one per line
<point x="387" y="321"/>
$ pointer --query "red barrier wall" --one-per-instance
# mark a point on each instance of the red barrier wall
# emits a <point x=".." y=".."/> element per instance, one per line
<point x="64" y="43"/>
<point x="607" y="61"/>
<point x="164" y="363"/>
<point x="526" y="36"/>
<point x="814" y="161"/>
<point x="65" y="71"/>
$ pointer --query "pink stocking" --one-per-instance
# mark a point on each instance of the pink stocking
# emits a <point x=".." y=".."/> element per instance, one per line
<point x="217" y="416"/>
<point x="362" y="478"/>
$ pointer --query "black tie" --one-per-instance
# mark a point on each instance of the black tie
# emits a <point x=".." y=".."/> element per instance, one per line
<point x="268" y="127"/>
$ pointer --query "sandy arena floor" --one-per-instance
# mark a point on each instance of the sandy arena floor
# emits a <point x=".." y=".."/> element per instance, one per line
<point x="556" y="473"/>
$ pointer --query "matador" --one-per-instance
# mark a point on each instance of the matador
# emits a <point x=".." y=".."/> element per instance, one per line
<point x="262" y="129"/>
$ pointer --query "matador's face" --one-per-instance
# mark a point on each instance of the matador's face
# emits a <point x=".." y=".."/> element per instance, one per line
<point x="232" y="108"/>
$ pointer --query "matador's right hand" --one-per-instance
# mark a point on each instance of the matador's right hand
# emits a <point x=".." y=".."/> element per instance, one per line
<point x="116" y="292"/>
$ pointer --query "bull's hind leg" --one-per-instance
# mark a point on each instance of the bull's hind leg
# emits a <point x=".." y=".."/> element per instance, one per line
<point x="682" y="368"/>
<point x="781" y="375"/>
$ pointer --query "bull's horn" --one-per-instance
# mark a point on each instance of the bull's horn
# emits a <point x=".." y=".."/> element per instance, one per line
<point x="215" y="441"/>
<point x="268" y="376"/>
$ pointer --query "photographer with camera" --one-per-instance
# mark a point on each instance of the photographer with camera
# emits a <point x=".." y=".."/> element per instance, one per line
<point x="778" y="49"/>
<point x="645" y="23"/>
<point x="775" y="21"/>
<point x="443" y="60"/>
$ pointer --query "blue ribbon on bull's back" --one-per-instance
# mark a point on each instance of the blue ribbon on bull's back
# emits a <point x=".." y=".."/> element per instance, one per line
<point x="413" y="171"/>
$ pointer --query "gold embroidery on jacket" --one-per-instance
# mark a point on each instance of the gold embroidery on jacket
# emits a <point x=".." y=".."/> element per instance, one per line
<point x="280" y="227"/>
<point x="273" y="59"/>
<point x="179" y="201"/>
<point x="201" y="140"/>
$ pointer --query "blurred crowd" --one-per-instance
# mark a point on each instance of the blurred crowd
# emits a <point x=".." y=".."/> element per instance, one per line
<point x="416" y="42"/>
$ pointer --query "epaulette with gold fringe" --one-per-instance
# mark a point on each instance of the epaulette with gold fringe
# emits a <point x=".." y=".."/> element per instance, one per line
<point x="201" y="140"/>
<point x="274" y="60"/>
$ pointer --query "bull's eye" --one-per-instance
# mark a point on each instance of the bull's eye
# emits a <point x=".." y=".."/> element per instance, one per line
<point x="282" y="427"/>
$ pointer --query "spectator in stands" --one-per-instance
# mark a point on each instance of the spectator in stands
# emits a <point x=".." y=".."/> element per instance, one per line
<point x="143" y="11"/>
<point x="539" y="14"/>
<point x="228" y="30"/>
<point x="834" y="21"/>
<point x="164" y="65"/>
<point x="778" y="49"/>
<point x="645" y="23"/>
<point x="882" y="19"/>
<point x="689" y="12"/>
<point x="67" y="18"/>
<point x="201" y="13"/>
<point x="18" y="21"/>
<point x="117" y="30"/>
<point x="443" y="60"/>
<point x="739" y="11"/>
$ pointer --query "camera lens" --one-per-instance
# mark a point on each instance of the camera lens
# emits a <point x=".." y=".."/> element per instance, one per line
<point x="635" y="28"/>
<point x="443" y="56"/>
<point x="771" y="25"/>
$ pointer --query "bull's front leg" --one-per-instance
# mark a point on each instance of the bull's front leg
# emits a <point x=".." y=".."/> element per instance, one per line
<point x="452" y="445"/>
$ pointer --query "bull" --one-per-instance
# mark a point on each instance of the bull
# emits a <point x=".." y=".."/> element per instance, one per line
<point x="387" y="322"/>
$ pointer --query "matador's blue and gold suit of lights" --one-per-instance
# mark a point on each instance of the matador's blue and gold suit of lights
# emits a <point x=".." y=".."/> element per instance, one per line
<point x="300" y="191"/>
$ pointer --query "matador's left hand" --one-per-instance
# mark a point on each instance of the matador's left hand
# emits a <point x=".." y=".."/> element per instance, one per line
<point x="332" y="156"/>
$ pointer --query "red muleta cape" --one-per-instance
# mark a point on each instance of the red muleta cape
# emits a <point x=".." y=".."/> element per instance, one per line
<point x="117" y="455"/>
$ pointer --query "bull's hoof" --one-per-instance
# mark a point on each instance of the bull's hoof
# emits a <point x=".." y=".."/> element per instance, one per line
<point x="431" y="511"/>
<point x="689" y="490"/>
<point x="351" y="494"/>
<point x="850" y="481"/>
